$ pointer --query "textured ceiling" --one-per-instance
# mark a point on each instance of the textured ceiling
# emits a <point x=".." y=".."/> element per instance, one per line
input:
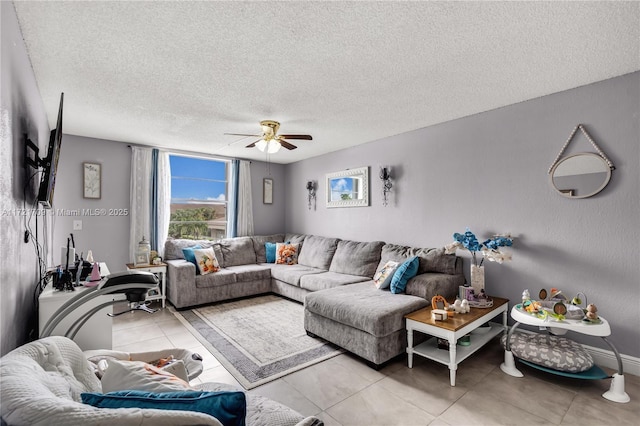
<point x="180" y="74"/>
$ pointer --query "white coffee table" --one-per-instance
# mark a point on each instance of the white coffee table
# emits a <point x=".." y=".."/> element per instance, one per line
<point x="452" y="329"/>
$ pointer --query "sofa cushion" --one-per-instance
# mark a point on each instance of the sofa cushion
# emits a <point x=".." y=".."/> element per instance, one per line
<point x="355" y="258"/>
<point x="404" y="273"/>
<point x="429" y="284"/>
<point x="287" y="254"/>
<point x="259" y="245"/>
<point x="431" y="259"/>
<point x="364" y="307"/>
<point x="173" y="247"/>
<point x="318" y="251"/>
<point x="294" y="238"/>
<point x="324" y="280"/>
<point x="291" y="274"/>
<point x="237" y="251"/>
<point x="223" y="277"/>
<point x="230" y="408"/>
<point x="250" y="272"/>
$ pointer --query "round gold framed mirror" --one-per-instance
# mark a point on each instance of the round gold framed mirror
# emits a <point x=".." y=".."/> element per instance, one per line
<point x="580" y="175"/>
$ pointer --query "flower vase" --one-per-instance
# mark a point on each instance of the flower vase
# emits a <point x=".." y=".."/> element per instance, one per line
<point x="477" y="279"/>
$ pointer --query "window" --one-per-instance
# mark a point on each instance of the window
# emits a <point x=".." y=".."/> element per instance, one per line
<point x="198" y="198"/>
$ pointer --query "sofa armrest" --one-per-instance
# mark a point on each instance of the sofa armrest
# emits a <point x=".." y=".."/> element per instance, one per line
<point x="180" y="269"/>
<point x="429" y="284"/>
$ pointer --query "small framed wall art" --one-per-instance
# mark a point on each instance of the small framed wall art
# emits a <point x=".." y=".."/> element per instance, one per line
<point x="92" y="180"/>
<point x="267" y="191"/>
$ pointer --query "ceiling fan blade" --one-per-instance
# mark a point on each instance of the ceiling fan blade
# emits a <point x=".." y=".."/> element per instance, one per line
<point x="251" y="145"/>
<point x="241" y="134"/>
<point x="287" y="144"/>
<point x="305" y="137"/>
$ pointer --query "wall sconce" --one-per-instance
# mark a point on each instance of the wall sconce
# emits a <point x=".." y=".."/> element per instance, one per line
<point x="385" y="177"/>
<point x="311" y="187"/>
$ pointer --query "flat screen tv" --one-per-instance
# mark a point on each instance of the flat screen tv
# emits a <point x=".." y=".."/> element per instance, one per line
<point x="50" y="162"/>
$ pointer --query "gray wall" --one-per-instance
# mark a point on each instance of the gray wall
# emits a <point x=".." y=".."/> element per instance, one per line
<point x="268" y="218"/>
<point x="22" y="112"/>
<point x="106" y="235"/>
<point x="489" y="172"/>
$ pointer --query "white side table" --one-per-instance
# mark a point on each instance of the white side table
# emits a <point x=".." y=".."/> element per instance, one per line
<point x="161" y="270"/>
<point x="452" y="329"/>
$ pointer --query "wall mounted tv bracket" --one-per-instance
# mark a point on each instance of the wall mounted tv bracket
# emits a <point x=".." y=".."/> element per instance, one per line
<point x="32" y="150"/>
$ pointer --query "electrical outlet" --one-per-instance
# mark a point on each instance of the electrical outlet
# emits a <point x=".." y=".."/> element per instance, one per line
<point x="77" y="225"/>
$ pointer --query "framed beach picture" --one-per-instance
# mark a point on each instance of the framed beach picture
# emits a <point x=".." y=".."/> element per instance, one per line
<point x="267" y="191"/>
<point x="92" y="180"/>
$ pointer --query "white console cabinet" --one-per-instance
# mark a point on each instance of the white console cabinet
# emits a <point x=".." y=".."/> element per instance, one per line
<point x="95" y="333"/>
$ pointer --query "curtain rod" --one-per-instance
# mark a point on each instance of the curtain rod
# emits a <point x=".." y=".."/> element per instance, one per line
<point x="187" y="153"/>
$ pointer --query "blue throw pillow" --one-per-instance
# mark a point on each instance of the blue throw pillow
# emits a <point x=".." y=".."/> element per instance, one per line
<point x="230" y="408"/>
<point x="270" y="251"/>
<point x="190" y="256"/>
<point x="404" y="273"/>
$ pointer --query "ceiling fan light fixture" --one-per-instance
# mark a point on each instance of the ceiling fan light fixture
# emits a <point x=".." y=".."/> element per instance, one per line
<point x="261" y="145"/>
<point x="273" y="146"/>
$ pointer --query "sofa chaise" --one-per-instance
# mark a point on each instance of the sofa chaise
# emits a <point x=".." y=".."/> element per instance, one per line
<point x="332" y="277"/>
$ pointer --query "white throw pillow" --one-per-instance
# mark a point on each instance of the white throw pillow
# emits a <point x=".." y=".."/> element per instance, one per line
<point x="384" y="275"/>
<point x="206" y="260"/>
<point x="138" y="375"/>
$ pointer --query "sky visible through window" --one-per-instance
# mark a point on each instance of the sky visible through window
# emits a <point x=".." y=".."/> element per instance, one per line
<point x="197" y="179"/>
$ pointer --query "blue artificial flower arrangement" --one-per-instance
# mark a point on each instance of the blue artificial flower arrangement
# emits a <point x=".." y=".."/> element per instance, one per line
<point x="489" y="247"/>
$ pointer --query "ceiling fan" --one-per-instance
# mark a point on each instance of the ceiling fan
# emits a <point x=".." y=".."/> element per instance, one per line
<point x="270" y="141"/>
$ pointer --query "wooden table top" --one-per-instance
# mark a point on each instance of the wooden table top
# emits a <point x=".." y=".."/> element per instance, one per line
<point x="134" y="266"/>
<point x="458" y="320"/>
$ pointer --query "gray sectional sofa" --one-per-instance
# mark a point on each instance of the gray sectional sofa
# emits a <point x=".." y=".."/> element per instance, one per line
<point x="333" y="278"/>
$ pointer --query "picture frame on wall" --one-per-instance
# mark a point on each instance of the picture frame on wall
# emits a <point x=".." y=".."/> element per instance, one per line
<point x="267" y="191"/>
<point x="92" y="180"/>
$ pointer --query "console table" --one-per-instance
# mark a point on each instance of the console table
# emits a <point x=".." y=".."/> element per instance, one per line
<point x="96" y="333"/>
<point x="452" y="329"/>
<point x="616" y="392"/>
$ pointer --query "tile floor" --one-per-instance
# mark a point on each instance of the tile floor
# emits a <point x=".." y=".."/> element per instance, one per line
<point x="344" y="391"/>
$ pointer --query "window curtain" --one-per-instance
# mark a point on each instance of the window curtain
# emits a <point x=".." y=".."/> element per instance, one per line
<point x="140" y="197"/>
<point x="244" y="200"/>
<point x="240" y="207"/>
<point x="160" y="200"/>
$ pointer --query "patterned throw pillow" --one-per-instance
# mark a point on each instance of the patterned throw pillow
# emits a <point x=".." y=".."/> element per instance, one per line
<point x="122" y="375"/>
<point x="383" y="277"/>
<point x="206" y="261"/>
<point x="287" y="254"/>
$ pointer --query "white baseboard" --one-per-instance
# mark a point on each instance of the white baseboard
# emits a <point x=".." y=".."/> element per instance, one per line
<point x="606" y="358"/>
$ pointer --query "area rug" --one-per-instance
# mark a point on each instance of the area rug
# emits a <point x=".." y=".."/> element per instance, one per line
<point x="258" y="339"/>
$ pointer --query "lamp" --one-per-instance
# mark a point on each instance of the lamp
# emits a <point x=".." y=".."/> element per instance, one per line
<point x="311" y="187"/>
<point x="271" y="146"/>
<point x="385" y="176"/>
